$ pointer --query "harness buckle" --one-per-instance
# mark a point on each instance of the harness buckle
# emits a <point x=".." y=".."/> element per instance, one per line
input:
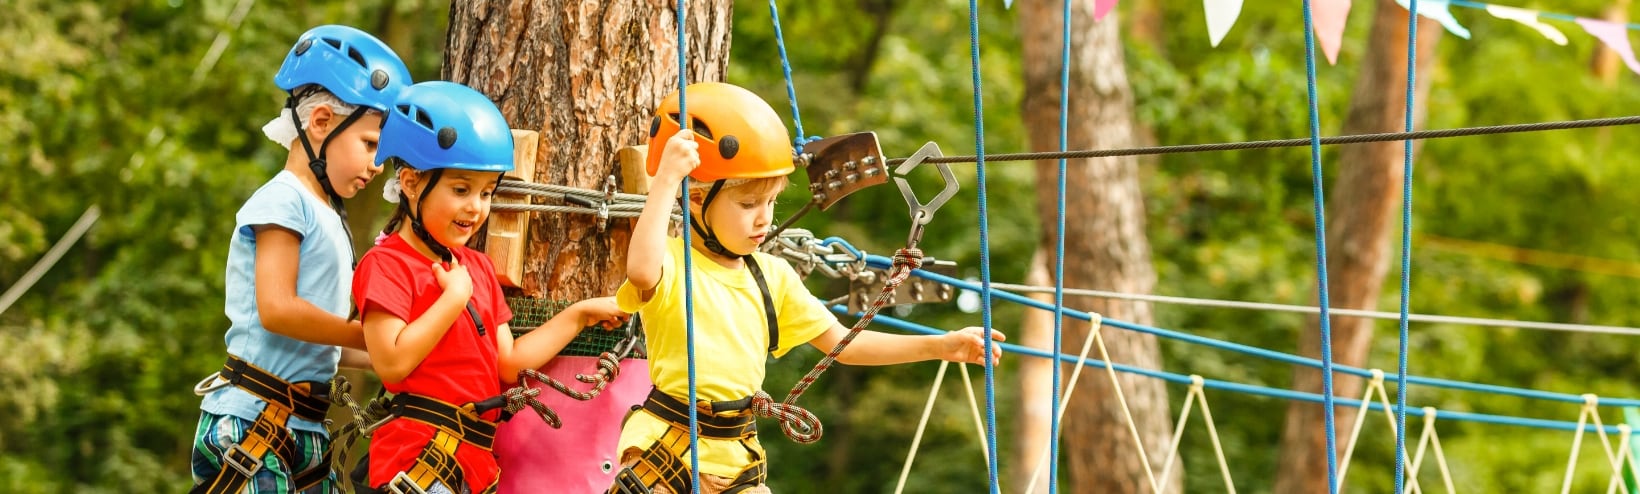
<point x="402" y="484"/>
<point x="241" y="460"/>
<point x="628" y="482"/>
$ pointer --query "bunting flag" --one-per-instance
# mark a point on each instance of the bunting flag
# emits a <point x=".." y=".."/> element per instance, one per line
<point x="1615" y="36"/>
<point x="1530" y="19"/>
<point x="1440" y="11"/>
<point x="1102" y="7"/>
<point x="1221" y="15"/>
<point x="1329" y="17"/>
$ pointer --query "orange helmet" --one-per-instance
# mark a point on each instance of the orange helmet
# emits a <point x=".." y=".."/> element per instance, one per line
<point x="740" y="136"/>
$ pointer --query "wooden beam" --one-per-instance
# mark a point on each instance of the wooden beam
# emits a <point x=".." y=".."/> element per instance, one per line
<point x="509" y="231"/>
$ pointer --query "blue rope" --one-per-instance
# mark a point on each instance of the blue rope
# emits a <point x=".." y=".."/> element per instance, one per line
<point x="881" y="262"/>
<point x="1406" y="254"/>
<point x="791" y="89"/>
<point x="1249" y="389"/>
<point x="984" y="248"/>
<point x="1059" y="246"/>
<point x="685" y="122"/>
<point x="1320" y="250"/>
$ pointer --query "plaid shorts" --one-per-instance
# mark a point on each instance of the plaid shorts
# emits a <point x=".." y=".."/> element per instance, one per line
<point x="216" y="433"/>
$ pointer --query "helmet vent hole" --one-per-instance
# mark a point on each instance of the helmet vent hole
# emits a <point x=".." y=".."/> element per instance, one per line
<point x="357" y="57"/>
<point x="333" y="42"/>
<point x="654" y="126"/>
<point x="425" y="120"/>
<point x="698" y="126"/>
<point x="446" y="137"/>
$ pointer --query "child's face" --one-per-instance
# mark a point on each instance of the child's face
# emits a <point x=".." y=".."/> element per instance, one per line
<point x="351" y="156"/>
<point x="740" y="216"/>
<point x="457" y="205"/>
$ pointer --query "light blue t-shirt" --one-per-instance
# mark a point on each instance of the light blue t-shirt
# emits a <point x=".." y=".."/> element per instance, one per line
<point x="324" y="278"/>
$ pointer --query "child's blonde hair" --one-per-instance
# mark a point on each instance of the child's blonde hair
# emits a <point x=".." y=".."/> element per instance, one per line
<point x="282" y="129"/>
<point x="765" y="184"/>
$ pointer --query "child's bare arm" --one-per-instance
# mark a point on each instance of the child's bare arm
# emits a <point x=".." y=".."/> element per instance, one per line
<point x="353" y="358"/>
<point x="874" y="348"/>
<point x="646" y="252"/>
<point x="396" y="346"/>
<point x="278" y="253"/>
<point x="540" y="345"/>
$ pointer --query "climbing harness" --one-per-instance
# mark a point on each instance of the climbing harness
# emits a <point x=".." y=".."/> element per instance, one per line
<point x="662" y="462"/>
<point x="268" y="433"/>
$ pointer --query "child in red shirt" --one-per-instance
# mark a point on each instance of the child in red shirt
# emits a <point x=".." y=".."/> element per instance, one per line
<point x="435" y="322"/>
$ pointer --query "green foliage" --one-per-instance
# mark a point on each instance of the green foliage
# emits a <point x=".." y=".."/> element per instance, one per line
<point x="100" y="105"/>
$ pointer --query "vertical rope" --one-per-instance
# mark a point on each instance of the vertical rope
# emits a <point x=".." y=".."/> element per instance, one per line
<point x="984" y="248"/>
<point x="684" y="122"/>
<point x="1320" y="250"/>
<point x="1059" y="241"/>
<point x="786" y="67"/>
<point x="1406" y="252"/>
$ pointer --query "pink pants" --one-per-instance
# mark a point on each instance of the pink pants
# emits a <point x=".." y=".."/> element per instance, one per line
<point x="580" y="457"/>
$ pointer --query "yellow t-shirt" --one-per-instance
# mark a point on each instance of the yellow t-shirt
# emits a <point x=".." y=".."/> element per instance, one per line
<point x="731" y="339"/>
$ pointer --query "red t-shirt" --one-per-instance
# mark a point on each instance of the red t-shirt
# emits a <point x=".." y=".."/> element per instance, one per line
<point x="462" y="368"/>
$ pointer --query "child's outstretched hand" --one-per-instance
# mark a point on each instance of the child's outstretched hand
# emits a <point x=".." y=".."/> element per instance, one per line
<point x="681" y="156"/>
<point x="454" y="279"/>
<point x="601" y="311"/>
<point x="967" y="346"/>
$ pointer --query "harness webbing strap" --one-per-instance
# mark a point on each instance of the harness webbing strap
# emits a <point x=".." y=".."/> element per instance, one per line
<point x="241" y="461"/>
<point x="662" y="464"/>
<point x="304" y="403"/>
<point x="768" y="303"/>
<point x="459" y="421"/>
<point x="268" y="432"/>
<point x="713" y="423"/>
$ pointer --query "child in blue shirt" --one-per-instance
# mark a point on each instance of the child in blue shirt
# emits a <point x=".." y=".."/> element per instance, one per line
<point x="290" y="265"/>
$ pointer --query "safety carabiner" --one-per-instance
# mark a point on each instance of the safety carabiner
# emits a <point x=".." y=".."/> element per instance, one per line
<point x="922" y="213"/>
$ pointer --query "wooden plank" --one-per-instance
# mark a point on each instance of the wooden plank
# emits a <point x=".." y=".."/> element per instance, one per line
<point x="634" y="169"/>
<point x="509" y="231"/>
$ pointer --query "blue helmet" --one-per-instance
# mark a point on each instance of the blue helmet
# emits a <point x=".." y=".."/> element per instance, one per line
<point x="438" y="124"/>
<point x="351" y="64"/>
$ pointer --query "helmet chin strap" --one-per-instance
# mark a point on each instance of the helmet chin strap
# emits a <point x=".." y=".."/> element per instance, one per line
<point x="420" y="229"/>
<point x="316" y="161"/>
<point x="708" y="236"/>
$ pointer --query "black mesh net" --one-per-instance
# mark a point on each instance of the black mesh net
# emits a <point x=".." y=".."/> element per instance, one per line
<point x="529" y="313"/>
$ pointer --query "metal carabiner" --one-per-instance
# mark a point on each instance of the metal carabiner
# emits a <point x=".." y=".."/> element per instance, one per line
<point x="922" y="213"/>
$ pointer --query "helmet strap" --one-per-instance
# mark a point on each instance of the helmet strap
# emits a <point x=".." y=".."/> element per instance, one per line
<point x="708" y="236"/>
<point x="316" y="161"/>
<point x="418" y="227"/>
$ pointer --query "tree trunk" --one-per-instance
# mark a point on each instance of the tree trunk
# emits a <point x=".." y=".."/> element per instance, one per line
<point x="587" y="75"/>
<point x="1360" y="225"/>
<point x="1605" y="63"/>
<point x="1035" y="385"/>
<point x="1105" y="238"/>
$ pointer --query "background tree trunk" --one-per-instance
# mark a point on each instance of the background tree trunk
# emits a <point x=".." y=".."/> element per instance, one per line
<point x="1035" y="385"/>
<point x="587" y="75"/>
<point x="1105" y="238"/>
<point x="1363" y="198"/>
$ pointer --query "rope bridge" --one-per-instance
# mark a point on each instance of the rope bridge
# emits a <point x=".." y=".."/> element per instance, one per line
<point x="835" y="257"/>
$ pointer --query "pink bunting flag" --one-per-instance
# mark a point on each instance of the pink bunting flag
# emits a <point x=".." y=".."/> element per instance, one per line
<point x="1102" y="7"/>
<point x="1329" y="17"/>
<point x="1615" y="36"/>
